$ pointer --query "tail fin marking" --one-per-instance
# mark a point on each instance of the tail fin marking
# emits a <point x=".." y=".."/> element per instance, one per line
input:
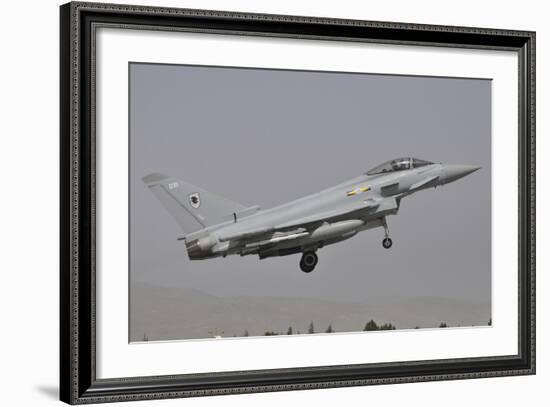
<point x="192" y="207"/>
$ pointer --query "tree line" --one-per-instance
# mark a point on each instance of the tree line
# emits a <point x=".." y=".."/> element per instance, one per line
<point x="369" y="326"/>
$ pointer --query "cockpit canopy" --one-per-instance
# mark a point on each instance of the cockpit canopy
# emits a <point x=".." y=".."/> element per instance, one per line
<point x="399" y="164"/>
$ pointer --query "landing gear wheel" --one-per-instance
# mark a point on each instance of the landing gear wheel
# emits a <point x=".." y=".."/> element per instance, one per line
<point x="387" y="241"/>
<point x="308" y="262"/>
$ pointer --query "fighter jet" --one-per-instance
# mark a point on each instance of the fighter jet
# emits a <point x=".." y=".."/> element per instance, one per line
<point x="217" y="227"/>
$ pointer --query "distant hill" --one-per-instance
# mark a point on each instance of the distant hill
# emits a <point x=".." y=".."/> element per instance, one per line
<point x="162" y="313"/>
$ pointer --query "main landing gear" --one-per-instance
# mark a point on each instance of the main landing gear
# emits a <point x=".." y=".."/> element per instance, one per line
<point x="308" y="262"/>
<point x="387" y="242"/>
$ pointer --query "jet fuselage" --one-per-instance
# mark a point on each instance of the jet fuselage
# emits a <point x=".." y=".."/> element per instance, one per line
<point x="326" y="217"/>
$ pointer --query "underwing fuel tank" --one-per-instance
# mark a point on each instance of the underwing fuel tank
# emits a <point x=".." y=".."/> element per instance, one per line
<point x="329" y="232"/>
<point x="336" y="229"/>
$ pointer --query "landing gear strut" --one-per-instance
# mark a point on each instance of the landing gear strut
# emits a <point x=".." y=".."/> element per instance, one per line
<point x="387" y="242"/>
<point x="308" y="262"/>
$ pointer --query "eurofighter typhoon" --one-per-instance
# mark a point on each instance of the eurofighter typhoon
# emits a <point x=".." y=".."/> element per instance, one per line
<point x="215" y="226"/>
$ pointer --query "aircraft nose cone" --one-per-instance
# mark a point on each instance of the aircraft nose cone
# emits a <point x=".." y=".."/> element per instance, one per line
<point x="452" y="172"/>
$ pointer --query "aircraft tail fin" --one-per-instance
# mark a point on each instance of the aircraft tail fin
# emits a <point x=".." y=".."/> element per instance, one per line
<point x="192" y="207"/>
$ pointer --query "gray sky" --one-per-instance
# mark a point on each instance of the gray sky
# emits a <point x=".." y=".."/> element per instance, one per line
<point x="269" y="136"/>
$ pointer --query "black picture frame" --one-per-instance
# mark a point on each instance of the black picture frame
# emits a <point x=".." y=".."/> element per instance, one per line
<point x="78" y="382"/>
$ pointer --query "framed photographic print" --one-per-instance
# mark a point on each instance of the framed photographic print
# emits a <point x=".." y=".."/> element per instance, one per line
<point x="255" y="203"/>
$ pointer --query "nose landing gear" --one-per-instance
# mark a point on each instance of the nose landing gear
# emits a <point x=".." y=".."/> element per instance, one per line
<point x="387" y="242"/>
<point x="308" y="262"/>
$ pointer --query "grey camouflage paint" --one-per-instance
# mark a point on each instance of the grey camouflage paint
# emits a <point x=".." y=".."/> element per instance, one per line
<point x="216" y="226"/>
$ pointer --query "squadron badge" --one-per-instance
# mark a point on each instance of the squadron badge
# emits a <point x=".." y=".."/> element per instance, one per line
<point x="195" y="200"/>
